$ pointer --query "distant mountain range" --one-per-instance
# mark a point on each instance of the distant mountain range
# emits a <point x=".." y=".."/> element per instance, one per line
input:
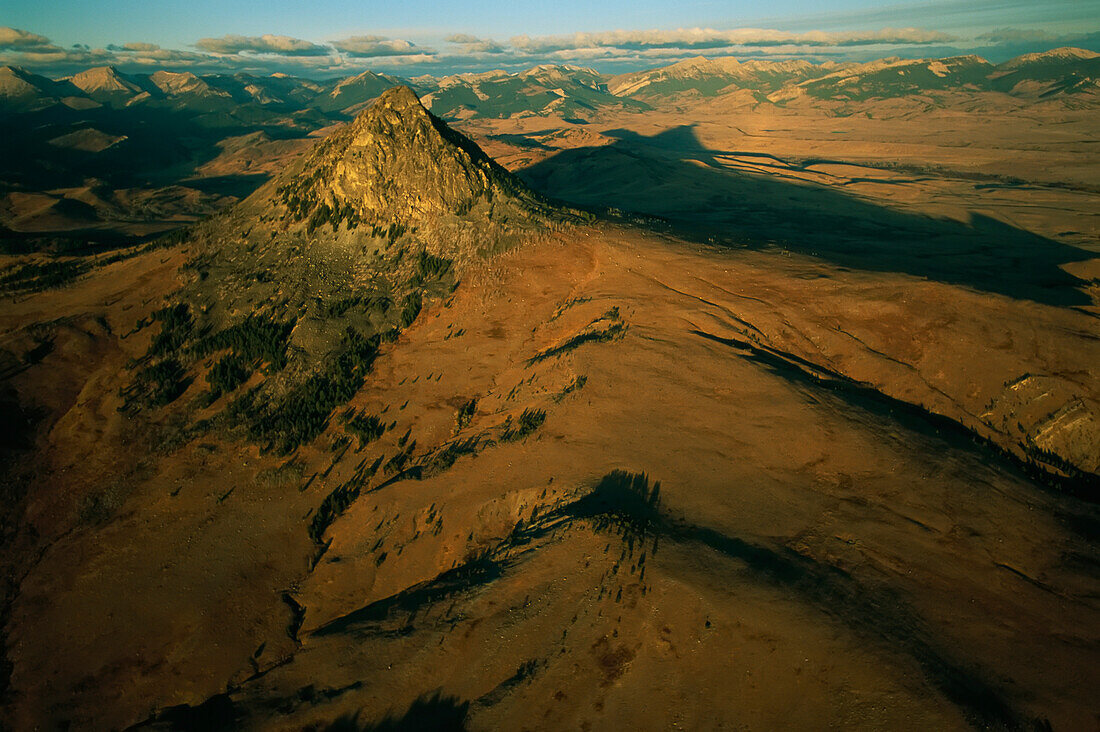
<point x="714" y="76"/>
<point x="570" y="91"/>
<point x="565" y="90"/>
<point x="1063" y="71"/>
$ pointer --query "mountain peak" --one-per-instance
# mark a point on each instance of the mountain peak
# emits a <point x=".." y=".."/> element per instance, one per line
<point x="400" y="99"/>
<point x="182" y="82"/>
<point x="104" y="79"/>
<point x="1064" y="54"/>
<point x="350" y="94"/>
<point x="13" y="72"/>
<point x="367" y="75"/>
<point x="25" y="91"/>
<point x="720" y="63"/>
<point x="14" y="83"/>
<point x="395" y="118"/>
<point x="398" y="165"/>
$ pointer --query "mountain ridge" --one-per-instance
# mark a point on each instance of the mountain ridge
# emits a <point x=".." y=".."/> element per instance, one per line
<point x="568" y="90"/>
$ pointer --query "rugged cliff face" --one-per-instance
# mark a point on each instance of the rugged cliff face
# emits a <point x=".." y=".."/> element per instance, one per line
<point x="399" y="165"/>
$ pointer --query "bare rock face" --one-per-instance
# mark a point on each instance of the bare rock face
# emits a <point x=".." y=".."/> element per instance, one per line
<point x="398" y="165"/>
<point x="362" y="210"/>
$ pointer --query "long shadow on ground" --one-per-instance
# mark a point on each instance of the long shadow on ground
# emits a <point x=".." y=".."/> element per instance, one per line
<point x="672" y="175"/>
<point x="626" y="505"/>
<point x="437" y="712"/>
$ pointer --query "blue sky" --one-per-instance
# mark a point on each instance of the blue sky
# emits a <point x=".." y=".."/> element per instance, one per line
<point x="420" y="36"/>
<point x="176" y="23"/>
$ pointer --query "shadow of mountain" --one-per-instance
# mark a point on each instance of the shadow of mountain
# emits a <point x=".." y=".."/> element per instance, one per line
<point x="626" y="504"/>
<point x="217" y="714"/>
<point x="156" y="145"/>
<point x="240" y="186"/>
<point x="436" y="712"/>
<point x="671" y="175"/>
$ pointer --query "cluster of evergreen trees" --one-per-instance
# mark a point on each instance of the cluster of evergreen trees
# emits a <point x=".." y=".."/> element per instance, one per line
<point x="227" y="374"/>
<point x="176" y="325"/>
<point x="429" y="267"/>
<point x="371" y="303"/>
<point x="256" y="339"/>
<point x="528" y="422"/>
<point x="162" y="383"/>
<point x="36" y="277"/>
<point x="465" y="414"/>
<point x="304" y="412"/>
<point x="367" y="427"/>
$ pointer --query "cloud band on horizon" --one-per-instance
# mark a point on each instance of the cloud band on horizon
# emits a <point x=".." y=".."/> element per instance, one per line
<point x="265" y="44"/>
<point x="626" y="50"/>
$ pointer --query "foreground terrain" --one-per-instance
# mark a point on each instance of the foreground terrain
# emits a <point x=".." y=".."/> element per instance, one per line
<point x="797" y="429"/>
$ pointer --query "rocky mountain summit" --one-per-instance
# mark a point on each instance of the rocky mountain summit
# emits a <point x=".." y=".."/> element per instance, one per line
<point x="399" y="165"/>
<point x="292" y="291"/>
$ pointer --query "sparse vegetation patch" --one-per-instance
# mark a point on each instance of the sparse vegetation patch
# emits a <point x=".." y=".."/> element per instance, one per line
<point x="465" y="414"/>
<point x="36" y="277"/>
<point x="367" y="427"/>
<point x="528" y="422"/>
<point x="613" y="331"/>
<point x="574" y="385"/>
<point x="305" y="411"/>
<point x="447" y="457"/>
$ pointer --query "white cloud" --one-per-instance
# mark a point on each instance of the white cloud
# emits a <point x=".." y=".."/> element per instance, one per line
<point x="265" y="44"/>
<point x="709" y="38"/>
<point x="1031" y="35"/>
<point x="612" y="50"/>
<point x="20" y="40"/>
<point x="474" y="45"/>
<point x="134" y="47"/>
<point x="379" y="46"/>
